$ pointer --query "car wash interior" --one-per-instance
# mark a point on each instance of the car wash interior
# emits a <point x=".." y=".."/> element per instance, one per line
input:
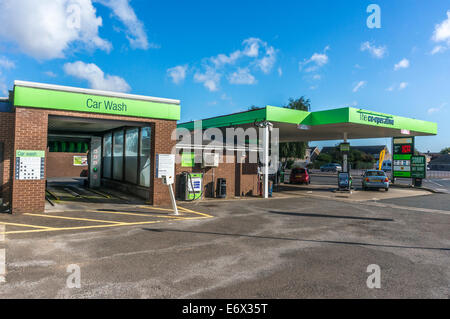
<point x="95" y="160"/>
<point x="68" y="144"/>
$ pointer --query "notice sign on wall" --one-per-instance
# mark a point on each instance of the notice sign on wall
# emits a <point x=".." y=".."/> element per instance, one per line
<point x="30" y="165"/>
<point x="165" y="165"/>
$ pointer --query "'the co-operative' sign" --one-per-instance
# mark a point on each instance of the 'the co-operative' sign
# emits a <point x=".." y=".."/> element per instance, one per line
<point x="377" y="119"/>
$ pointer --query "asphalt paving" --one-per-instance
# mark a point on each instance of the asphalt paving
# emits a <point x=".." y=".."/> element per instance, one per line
<point x="296" y="247"/>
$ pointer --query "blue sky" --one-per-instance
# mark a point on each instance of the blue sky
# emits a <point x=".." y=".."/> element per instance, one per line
<point x="220" y="57"/>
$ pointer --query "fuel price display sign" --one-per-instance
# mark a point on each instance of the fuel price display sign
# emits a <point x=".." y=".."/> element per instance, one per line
<point x="403" y="150"/>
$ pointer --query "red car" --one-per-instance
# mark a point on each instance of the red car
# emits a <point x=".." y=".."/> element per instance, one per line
<point x="299" y="176"/>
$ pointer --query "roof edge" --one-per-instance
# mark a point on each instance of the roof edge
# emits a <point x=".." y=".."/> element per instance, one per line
<point x="71" y="89"/>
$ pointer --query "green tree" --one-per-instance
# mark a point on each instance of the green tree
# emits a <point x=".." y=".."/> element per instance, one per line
<point x="445" y="150"/>
<point x="295" y="149"/>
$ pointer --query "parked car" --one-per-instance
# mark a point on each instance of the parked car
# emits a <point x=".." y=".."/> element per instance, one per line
<point x="299" y="176"/>
<point x="331" y="167"/>
<point x="375" y="179"/>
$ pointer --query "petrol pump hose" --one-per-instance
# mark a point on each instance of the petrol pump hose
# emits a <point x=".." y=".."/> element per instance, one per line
<point x="192" y="186"/>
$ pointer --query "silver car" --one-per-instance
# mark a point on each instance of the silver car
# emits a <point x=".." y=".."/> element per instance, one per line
<point x="375" y="179"/>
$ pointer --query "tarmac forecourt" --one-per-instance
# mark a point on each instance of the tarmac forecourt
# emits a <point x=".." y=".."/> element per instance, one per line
<point x="90" y="219"/>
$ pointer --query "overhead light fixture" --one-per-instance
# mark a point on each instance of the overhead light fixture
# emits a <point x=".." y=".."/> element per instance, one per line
<point x="405" y="132"/>
<point x="303" y="127"/>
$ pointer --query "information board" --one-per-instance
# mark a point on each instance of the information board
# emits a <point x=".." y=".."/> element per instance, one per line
<point x="80" y="160"/>
<point x="418" y="166"/>
<point x="165" y="165"/>
<point x="30" y="165"/>
<point x="402" y="150"/>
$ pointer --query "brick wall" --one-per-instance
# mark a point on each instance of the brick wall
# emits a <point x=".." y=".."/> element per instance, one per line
<point x="31" y="134"/>
<point x="241" y="178"/>
<point x="61" y="165"/>
<point x="7" y="137"/>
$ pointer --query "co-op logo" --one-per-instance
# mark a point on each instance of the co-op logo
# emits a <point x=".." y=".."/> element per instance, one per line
<point x="377" y="119"/>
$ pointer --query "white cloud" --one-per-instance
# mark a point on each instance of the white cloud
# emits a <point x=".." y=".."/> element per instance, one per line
<point x="46" y="29"/>
<point x="377" y="52"/>
<point x="252" y="46"/>
<point x="398" y="87"/>
<point x="403" y="64"/>
<point x="5" y="63"/>
<point x="178" y="73"/>
<point x="267" y="62"/>
<point x="223" y="59"/>
<point x="210" y="78"/>
<point x="441" y="34"/>
<point x="136" y="34"/>
<point x="436" y="109"/>
<point x="359" y="86"/>
<point x="402" y="85"/>
<point x="438" y="49"/>
<point x="96" y="77"/>
<point x="316" y="61"/>
<point x="50" y="74"/>
<point x="317" y="77"/>
<point x="237" y="66"/>
<point x="242" y="76"/>
<point x="280" y="71"/>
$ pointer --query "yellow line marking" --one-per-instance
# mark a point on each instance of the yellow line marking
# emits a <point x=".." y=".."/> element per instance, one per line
<point x="76" y="218"/>
<point x="132" y="214"/>
<point x="157" y="208"/>
<point x="179" y="207"/>
<point x="198" y="213"/>
<point x="82" y="227"/>
<point x="25" y="225"/>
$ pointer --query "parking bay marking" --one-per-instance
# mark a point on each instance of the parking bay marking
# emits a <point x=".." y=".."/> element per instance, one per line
<point x="109" y="223"/>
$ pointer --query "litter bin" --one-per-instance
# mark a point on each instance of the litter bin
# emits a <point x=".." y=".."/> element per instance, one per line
<point x="417" y="182"/>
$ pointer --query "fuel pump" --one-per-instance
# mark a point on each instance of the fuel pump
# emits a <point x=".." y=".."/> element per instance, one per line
<point x="191" y="186"/>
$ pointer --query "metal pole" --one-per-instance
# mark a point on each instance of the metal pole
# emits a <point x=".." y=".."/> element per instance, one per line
<point x="172" y="197"/>
<point x="266" y="161"/>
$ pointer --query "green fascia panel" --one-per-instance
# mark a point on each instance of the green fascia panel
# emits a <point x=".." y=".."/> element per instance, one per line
<point x="229" y="120"/>
<point x="336" y="116"/>
<point x="360" y="116"/>
<point x="79" y="102"/>
<point x="284" y="115"/>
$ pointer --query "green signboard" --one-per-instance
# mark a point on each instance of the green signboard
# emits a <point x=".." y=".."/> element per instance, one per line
<point x="188" y="159"/>
<point x="418" y="166"/>
<point x="79" y="102"/>
<point x="402" y="150"/>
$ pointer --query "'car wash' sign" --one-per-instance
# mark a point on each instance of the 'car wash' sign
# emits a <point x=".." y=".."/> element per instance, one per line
<point x="106" y="105"/>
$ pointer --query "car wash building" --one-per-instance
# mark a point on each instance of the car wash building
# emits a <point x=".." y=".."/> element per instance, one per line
<point x="57" y="131"/>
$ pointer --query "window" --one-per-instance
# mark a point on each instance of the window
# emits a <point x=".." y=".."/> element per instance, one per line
<point x="131" y="155"/>
<point x="118" y="155"/>
<point x="107" y="139"/>
<point x="145" y="158"/>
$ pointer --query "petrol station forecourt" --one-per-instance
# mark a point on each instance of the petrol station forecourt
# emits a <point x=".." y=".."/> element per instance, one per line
<point x="43" y="111"/>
